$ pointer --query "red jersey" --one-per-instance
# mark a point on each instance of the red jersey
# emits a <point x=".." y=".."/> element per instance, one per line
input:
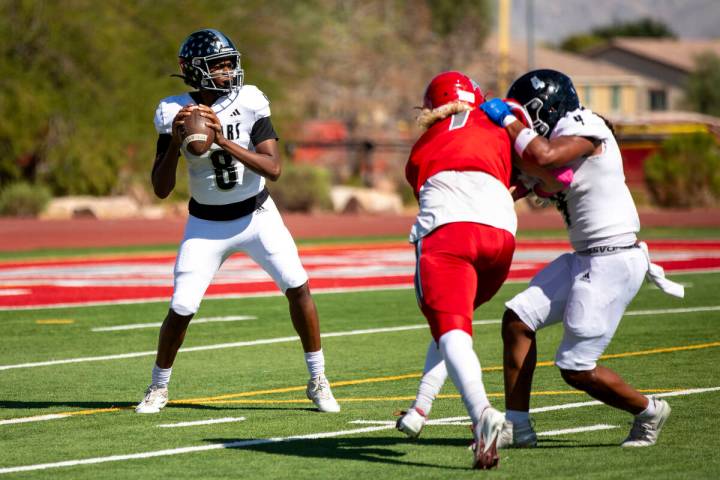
<point x="466" y="141"/>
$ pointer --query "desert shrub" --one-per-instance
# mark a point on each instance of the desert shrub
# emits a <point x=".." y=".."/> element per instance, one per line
<point x="685" y="171"/>
<point x="23" y="199"/>
<point x="302" y="188"/>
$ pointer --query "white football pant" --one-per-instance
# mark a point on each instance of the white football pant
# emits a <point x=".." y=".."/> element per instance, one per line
<point x="206" y="245"/>
<point x="589" y="294"/>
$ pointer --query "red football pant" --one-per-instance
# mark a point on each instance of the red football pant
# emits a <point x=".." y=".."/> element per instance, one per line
<point x="459" y="267"/>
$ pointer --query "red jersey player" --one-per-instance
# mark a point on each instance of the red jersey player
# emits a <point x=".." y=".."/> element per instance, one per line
<point x="464" y="236"/>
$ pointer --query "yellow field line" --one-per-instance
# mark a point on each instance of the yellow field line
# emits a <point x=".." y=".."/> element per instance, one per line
<point x="55" y="321"/>
<point x="662" y="350"/>
<point x="96" y="410"/>
<point x="393" y="378"/>
<point x="408" y="398"/>
<point x="343" y="383"/>
<point x="226" y="398"/>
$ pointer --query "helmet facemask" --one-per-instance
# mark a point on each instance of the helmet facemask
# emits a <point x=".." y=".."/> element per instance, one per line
<point x="534" y="108"/>
<point x="198" y="73"/>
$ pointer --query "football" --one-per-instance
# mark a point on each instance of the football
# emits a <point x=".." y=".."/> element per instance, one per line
<point x="197" y="136"/>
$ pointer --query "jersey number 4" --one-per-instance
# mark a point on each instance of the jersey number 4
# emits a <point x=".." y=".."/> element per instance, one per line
<point x="226" y="174"/>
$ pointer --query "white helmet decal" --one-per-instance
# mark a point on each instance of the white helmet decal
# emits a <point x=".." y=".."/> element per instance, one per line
<point x="537" y="83"/>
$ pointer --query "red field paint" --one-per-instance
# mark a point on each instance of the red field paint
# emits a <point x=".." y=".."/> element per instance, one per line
<point x="137" y="278"/>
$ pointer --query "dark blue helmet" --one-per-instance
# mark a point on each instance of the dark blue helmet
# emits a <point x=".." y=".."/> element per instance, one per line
<point x="547" y="95"/>
<point x="199" y="51"/>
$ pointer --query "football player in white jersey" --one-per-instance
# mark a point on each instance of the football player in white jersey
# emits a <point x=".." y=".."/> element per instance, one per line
<point x="230" y="209"/>
<point x="587" y="290"/>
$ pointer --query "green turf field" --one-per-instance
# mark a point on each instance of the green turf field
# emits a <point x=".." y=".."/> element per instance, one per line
<point x="373" y="374"/>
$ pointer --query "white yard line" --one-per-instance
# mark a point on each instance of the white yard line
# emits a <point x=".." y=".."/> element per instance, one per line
<point x="195" y="321"/>
<point x="38" y="418"/>
<point x="202" y="422"/>
<point x="312" y="436"/>
<point x="550" y="408"/>
<point x="198" y="448"/>
<point x="373" y="422"/>
<point x="714" y="308"/>
<point x="567" y="431"/>
<point x="250" y="343"/>
<point x="324" y="335"/>
<point x="689" y="391"/>
<point x="565" y="406"/>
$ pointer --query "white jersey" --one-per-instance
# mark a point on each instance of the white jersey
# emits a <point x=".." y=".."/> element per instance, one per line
<point x="216" y="177"/>
<point x="597" y="207"/>
<point x="451" y="196"/>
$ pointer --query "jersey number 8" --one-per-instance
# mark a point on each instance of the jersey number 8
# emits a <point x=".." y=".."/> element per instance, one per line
<point x="226" y="175"/>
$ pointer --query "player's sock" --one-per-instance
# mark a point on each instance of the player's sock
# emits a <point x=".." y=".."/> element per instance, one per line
<point x="161" y="376"/>
<point x="463" y="367"/>
<point x="315" y="362"/>
<point x="517" y="417"/>
<point x="649" y="412"/>
<point x="433" y="378"/>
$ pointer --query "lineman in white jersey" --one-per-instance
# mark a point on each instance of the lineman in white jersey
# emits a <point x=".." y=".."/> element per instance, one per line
<point x="230" y="209"/>
<point x="589" y="289"/>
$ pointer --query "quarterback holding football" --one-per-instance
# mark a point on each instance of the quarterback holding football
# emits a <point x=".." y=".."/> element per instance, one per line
<point x="230" y="209"/>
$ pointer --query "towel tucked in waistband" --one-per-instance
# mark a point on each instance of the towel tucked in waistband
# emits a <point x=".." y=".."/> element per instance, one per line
<point x="656" y="274"/>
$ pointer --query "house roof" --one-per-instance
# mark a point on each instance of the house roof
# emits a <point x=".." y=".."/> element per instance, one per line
<point x="676" y="53"/>
<point x="581" y="69"/>
<point x="575" y="66"/>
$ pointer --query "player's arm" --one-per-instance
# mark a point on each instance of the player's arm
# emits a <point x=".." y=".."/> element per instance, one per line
<point x="538" y="150"/>
<point x="551" y="179"/>
<point x="533" y="147"/>
<point x="167" y="154"/>
<point x="265" y="160"/>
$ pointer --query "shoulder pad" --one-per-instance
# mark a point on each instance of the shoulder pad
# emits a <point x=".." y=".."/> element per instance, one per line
<point x="254" y="99"/>
<point x="166" y="111"/>
<point x="581" y="123"/>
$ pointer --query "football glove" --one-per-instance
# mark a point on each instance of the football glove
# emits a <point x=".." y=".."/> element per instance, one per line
<point x="497" y="111"/>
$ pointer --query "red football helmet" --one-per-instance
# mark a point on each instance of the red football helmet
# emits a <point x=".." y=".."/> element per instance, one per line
<point x="450" y="86"/>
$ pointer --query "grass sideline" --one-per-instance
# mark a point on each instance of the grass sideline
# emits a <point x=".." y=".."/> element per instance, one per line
<point x="374" y="375"/>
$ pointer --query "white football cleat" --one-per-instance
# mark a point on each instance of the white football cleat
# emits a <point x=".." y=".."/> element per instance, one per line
<point x="644" y="433"/>
<point x="318" y="390"/>
<point x="156" y="398"/>
<point x="411" y="422"/>
<point x="521" y="435"/>
<point x="486" y="437"/>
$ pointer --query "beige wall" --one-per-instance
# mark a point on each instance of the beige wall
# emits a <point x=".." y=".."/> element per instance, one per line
<point x="601" y="98"/>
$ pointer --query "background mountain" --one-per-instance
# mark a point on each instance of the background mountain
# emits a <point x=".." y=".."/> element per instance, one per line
<point x="557" y="19"/>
